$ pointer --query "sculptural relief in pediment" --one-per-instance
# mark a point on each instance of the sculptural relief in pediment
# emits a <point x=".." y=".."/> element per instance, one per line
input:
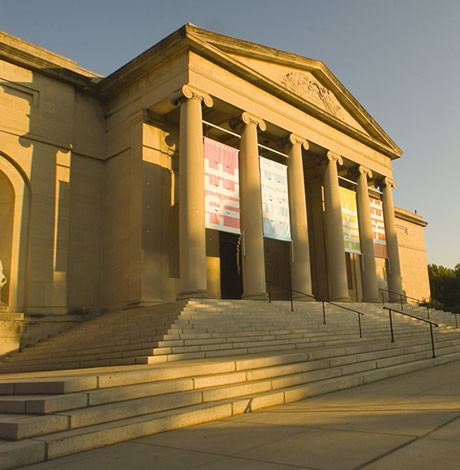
<point x="305" y="85"/>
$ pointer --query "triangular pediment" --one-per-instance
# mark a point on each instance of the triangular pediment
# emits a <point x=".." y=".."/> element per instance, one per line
<point x="303" y="84"/>
<point x="297" y="78"/>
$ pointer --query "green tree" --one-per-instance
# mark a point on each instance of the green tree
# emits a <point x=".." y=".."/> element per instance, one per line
<point x="445" y="287"/>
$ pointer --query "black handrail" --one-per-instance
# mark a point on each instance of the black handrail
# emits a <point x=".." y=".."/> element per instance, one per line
<point x="291" y="290"/>
<point x="431" y="323"/>
<point x="420" y="304"/>
<point x="382" y="290"/>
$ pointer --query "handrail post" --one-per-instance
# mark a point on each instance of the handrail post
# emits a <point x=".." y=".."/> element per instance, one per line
<point x="360" y="330"/>
<point x="456" y="321"/>
<point x="401" y="301"/>
<point x="324" y="313"/>
<point x="391" y="326"/>
<point x="292" y="302"/>
<point x="383" y="296"/>
<point x="269" y="292"/>
<point x="428" y="312"/>
<point x="432" y="340"/>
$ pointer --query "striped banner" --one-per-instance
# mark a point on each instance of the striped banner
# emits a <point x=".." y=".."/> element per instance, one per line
<point x="378" y="228"/>
<point x="221" y="186"/>
<point x="275" y="200"/>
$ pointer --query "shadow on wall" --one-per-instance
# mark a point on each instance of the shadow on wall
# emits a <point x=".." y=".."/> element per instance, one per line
<point x="35" y="189"/>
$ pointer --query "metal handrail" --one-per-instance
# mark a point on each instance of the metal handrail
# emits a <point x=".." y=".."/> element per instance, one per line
<point x="420" y="302"/>
<point x="431" y="323"/>
<point x="382" y="290"/>
<point x="291" y="290"/>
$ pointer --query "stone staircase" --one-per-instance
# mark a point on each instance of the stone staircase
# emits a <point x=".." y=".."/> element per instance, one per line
<point x="242" y="355"/>
<point x="201" y="329"/>
<point x="440" y="316"/>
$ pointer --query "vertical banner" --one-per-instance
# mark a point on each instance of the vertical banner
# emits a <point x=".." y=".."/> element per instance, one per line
<point x="221" y="187"/>
<point x="275" y="200"/>
<point x="350" y="221"/>
<point x="378" y="228"/>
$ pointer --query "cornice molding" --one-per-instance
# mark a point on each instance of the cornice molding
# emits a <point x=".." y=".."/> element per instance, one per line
<point x="416" y="219"/>
<point x="40" y="60"/>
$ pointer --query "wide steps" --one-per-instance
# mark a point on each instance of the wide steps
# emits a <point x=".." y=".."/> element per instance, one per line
<point x="216" y="403"/>
<point x="197" y="349"/>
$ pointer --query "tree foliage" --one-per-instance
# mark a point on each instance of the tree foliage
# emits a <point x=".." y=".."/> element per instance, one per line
<point x="445" y="287"/>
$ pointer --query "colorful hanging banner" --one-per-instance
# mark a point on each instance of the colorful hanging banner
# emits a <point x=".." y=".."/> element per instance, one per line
<point x="378" y="228"/>
<point x="275" y="200"/>
<point x="350" y="221"/>
<point x="221" y="186"/>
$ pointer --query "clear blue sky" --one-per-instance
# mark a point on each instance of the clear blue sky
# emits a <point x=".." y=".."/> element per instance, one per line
<point x="399" y="58"/>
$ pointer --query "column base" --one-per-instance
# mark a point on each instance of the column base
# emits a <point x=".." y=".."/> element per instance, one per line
<point x="260" y="296"/>
<point x="341" y="299"/>
<point x="192" y="293"/>
<point x="302" y="298"/>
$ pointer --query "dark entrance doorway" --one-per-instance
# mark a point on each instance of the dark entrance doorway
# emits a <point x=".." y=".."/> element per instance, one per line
<point x="231" y="285"/>
<point x="278" y="267"/>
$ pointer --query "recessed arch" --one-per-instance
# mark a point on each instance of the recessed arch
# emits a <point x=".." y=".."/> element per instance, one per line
<point x="17" y="269"/>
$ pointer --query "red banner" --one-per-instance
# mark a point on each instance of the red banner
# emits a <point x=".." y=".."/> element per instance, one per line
<point x="222" y="196"/>
<point x="378" y="228"/>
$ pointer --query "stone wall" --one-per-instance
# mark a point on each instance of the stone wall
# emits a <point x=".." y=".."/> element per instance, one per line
<point x="412" y="253"/>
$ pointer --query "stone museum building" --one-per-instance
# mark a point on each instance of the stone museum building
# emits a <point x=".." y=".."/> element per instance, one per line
<point x="204" y="167"/>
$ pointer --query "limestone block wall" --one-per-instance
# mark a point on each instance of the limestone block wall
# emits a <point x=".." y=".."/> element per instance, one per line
<point x="46" y="127"/>
<point x="140" y="260"/>
<point x="138" y="203"/>
<point x="10" y="332"/>
<point x="412" y="252"/>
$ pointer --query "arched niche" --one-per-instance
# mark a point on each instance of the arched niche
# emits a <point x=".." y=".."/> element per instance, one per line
<point x="14" y="225"/>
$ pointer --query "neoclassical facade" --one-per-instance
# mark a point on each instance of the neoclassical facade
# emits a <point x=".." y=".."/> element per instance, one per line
<point x="106" y="201"/>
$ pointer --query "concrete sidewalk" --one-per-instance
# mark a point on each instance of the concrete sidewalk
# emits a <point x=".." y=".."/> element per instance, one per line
<point x="407" y="422"/>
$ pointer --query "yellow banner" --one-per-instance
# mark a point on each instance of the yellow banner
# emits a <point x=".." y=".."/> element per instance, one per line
<point x="350" y="221"/>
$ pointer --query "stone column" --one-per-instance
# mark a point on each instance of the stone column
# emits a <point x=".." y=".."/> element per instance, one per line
<point x="252" y="242"/>
<point x="369" y="272"/>
<point x="335" y="249"/>
<point x="192" y="235"/>
<point x="300" y="255"/>
<point x="393" y="264"/>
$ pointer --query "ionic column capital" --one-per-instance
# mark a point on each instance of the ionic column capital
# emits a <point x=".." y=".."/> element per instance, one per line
<point x="248" y="118"/>
<point x="332" y="156"/>
<point x="365" y="171"/>
<point x="390" y="182"/>
<point x="190" y="92"/>
<point x="295" y="139"/>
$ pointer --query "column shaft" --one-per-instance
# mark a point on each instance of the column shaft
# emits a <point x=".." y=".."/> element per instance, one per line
<point x="369" y="274"/>
<point x="300" y="256"/>
<point x="337" y="269"/>
<point x="251" y="212"/>
<point x="192" y="238"/>
<point x="393" y="267"/>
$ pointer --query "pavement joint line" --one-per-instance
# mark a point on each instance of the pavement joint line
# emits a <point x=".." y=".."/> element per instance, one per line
<point x="251" y="459"/>
<point x="225" y="455"/>
<point x="437" y="428"/>
<point x="385" y="454"/>
<point x="417" y="438"/>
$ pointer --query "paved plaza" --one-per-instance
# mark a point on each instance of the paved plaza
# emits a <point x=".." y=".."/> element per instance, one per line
<point x="407" y="422"/>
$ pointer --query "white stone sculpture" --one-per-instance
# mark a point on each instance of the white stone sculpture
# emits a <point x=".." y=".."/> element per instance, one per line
<point x="3" y="279"/>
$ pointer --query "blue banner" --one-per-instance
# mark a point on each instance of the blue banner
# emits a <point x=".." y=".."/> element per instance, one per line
<point x="275" y="200"/>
